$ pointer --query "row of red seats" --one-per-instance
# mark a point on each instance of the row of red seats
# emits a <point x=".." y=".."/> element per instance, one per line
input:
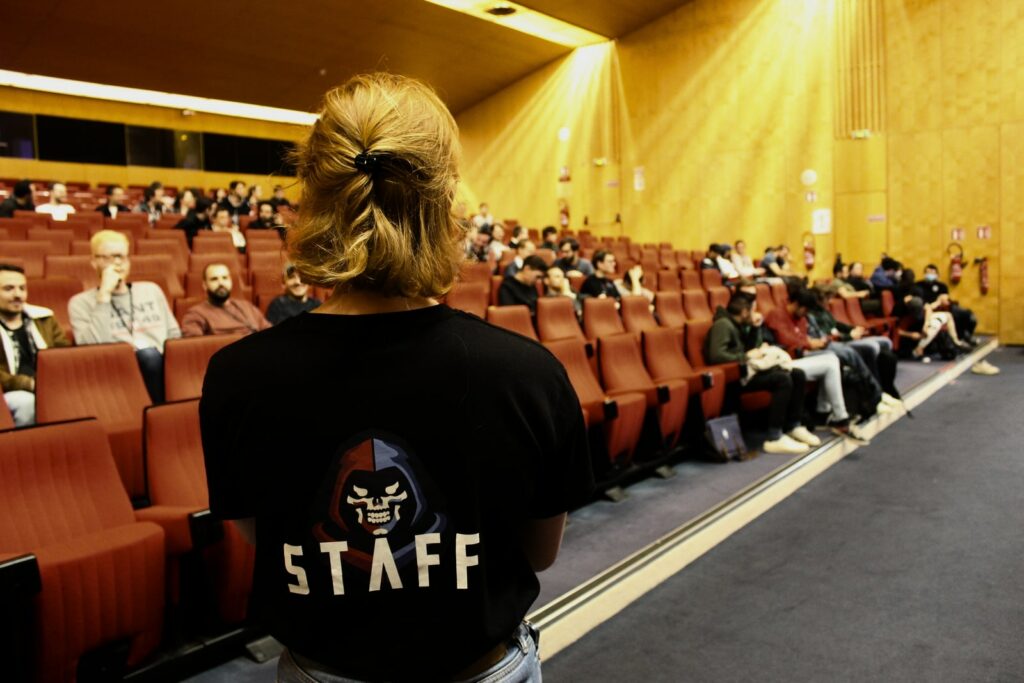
<point x="92" y="572"/>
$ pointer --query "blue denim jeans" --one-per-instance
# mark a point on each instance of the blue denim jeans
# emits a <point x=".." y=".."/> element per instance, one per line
<point x="521" y="664"/>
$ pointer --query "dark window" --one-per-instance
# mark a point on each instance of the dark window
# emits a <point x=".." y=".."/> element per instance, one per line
<point x="150" y="147"/>
<point x="233" y="154"/>
<point x="91" y="142"/>
<point x="188" y="149"/>
<point x="16" y="139"/>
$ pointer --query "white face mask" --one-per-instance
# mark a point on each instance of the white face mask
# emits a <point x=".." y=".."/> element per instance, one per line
<point x="931" y="277"/>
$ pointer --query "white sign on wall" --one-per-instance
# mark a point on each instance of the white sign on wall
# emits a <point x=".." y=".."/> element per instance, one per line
<point x="821" y="221"/>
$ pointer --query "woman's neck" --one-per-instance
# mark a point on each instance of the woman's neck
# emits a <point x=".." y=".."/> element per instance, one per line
<point x="365" y="303"/>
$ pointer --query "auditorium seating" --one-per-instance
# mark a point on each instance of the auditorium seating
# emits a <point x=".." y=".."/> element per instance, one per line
<point x="157" y="268"/>
<point x="556" y="319"/>
<point x="696" y="334"/>
<point x="668" y="281"/>
<point x="636" y="314"/>
<point x="718" y="297"/>
<point x="207" y="242"/>
<point x="185" y="362"/>
<point x="101" y="572"/>
<point x="623" y="371"/>
<point x="669" y="307"/>
<point x="837" y="307"/>
<point x="690" y="279"/>
<point x="600" y="318"/>
<point x="76" y="267"/>
<point x="54" y="293"/>
<point x="779" y="294"/>
<point x="709" y="277"/>
<point x="101" y="381"/>
<point x="177" y="489"/>
<point x="875" y="325"/>
<point x="663" y="356"/>
<point x="695" y="303"/>
<point x="622" y="417"/>
<point x="6" y="419"/>
<point x="16" y="228"/>
<point x="471" y="297"/>
<point x="513" y="318"/>
<point x="765" y="301"/>
<point x="60" y="240"/>
<point x="31" y="253"/>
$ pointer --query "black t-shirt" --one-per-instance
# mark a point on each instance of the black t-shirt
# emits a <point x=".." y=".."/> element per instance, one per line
<point x="26" y="349"/>
<point x="422" y="440"/>
<point x="513" y="292"/>
<point x="284" y="307"/>
<point x="931" y="291"/>
<point x="596" y="286"/>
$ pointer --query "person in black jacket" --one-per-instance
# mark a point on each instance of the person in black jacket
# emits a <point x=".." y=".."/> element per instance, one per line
<point x="197" y="219"/>
<point x="115" y="202"/>
<point x="521" y="288"/>
<point x="20" y="200"/>
<point x="600" y="285"/>
<point x="934" y="290"/>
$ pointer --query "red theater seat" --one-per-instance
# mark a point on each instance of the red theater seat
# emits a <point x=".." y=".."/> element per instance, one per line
<point x="158" y="268"/>
<point x="176" y="250"/>
<point x="601" y="318"/>
<point x="496" y="281"/>
<point x="636" y="314"/>
<point x="709" y="277"/>
<point x="177" y="488"/>
<point x="623" y="371"/>
<point x="556" y="319"/>
<point x="209" y="242"/>
<point x="17" y="228"/>
<point x="696" y="334"/>
<point x="6" y="419"/>
<point x="695" y="302"/>
<point x="663" y="355"/>
<point x="622" y="420"/>
<point x="54" y="293"/>
<point x="470" y="297"/>
<point x="185" y="362"/>
<point x="76" y="267"/>
<point x="837" y="307"/>
<point x="60" y="240"/>
<point x="101" y="571"/>
<point x="101" y="381"/>
<point x="669" y="307"/>
<point x="198" y="262"/>
<point x="718" y="297"/>
<point x="856" y="315"/>
<point x="513" y="318"/>
<point x="765" y="301"/>
<point x="31" y="253"/>
<point x="668" y="281"/>
<point x="689" y="279"/>
<point x="780" y="295"/>
<point x="475" y="272"/>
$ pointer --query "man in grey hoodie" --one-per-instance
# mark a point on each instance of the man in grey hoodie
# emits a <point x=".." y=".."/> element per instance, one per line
<point x="123" y="311"/>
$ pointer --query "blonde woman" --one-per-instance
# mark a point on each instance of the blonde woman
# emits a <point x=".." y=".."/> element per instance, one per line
<point x="402" y="505"/>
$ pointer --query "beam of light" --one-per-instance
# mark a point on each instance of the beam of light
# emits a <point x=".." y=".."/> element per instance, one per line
<point x="116" y="93"/>
<point x="526" y="20"/>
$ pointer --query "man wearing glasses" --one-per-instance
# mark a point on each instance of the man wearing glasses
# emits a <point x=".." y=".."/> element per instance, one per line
<point x="123" y="311"/>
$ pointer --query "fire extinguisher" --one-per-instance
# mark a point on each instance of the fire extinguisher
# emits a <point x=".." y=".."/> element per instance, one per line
<point x="808" y="251"/>
<point x="982" y="264"/>
<point x="563" y="213"/>
<point x="956" y="262"/>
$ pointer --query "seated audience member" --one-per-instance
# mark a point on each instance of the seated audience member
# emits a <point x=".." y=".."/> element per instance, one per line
<point x="789" y="328"/>
<point x="776" y="262"/>
<point x="632" y="284"/>
<point x="119" y="311"/>
<point x="220" y="314"/>
<point x="869" y="301"/>
<point x="483" y="217"/>
<point x="278" y="199"/>
<point x="725" y="266"/>
<point x="222" y="223"/>
<point x="20" y="200"/>
<point x="24" y="331"/>
<point x="710" y="260"/>
<point x="742" y="262"/>
<point x="295" y="300"/>
<point x="548" y="238"/>
<point x="524" y="249"/>
<point x="497" y="246"/>
<point x="518" y="234"/>
<point x="478" y="243"/>
<point x="197" y="219"/>
<point x="219" y="195"/>
<point x="58" y="206"/>
<point x="254" y="196"/>
<point x="235" y="201"/>
<point x="734" y="337"/>
<point x="557" y="284"/>
<point x="153" y="202"/>
<point x="886" y="275"/>
<point x="115" y="202"/>
<point x="840" y="285"/>
<point x="600" y="285"/>
<point x="934" y="291"/>
<point x="265" y="217"/>
<point x="521" y="288"/>
<point x="570" y="263"/>
<point x="875" y="351"/>
<point x="186" y="200"/>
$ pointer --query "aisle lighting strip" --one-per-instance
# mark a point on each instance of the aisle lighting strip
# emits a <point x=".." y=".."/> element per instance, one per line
<point x="526" y="20"/>
<point x="116" y="93"/>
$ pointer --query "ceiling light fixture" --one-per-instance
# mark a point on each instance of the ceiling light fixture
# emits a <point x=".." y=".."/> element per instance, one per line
<point x="183" y="103"/>
<point x="525" y="20"/>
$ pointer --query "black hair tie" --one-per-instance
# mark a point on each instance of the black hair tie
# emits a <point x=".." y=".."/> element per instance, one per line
<point x="368" y="162"/>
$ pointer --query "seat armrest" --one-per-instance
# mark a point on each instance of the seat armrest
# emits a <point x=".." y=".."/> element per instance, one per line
<point x="611" y="409"/>
<point x="181" y="533"/>
<point x="206" y="530"/>
<point x="19" y="578"/>
<point x="664" y="394"/>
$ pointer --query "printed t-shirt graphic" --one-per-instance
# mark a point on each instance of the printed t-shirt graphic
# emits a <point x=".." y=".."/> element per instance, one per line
<point x="375" y="492"/>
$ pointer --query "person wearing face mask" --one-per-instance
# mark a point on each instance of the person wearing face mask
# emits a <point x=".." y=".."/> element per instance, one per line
<point x="934" y="291"/>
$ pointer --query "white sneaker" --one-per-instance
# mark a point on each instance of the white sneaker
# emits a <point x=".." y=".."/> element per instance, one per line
<point x="983" y="368"/>
<point x="784" y="444"/>
<point x="804" y="435"/>
<point x="883" y="408"/>
<point x="891" y="400"/>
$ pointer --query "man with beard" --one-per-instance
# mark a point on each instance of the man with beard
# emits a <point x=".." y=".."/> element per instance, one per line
<point x="295" y="300"/>
<point x="220" y="314"/>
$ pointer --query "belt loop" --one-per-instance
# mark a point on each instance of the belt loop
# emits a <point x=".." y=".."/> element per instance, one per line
<point x="523" y="637"/>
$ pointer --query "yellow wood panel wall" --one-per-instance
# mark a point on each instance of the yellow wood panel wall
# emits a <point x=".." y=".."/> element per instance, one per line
<point x="27" y="101"/>
<point x="955" y="78"/>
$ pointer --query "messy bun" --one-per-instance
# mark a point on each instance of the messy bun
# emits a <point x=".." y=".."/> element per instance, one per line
<point x="379" y="173"/>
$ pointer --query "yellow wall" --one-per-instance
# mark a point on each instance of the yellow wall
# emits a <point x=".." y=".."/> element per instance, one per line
<point x="30" y="102"/>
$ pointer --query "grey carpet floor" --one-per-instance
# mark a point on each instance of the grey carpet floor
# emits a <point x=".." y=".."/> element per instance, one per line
<point x="904" y="562"/>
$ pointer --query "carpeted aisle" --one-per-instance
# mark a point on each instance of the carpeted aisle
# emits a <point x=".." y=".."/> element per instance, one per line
<point x="904" y="562"/>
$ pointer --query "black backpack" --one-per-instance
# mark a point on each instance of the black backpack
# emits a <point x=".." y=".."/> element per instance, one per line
<point x="859" y="392"/>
